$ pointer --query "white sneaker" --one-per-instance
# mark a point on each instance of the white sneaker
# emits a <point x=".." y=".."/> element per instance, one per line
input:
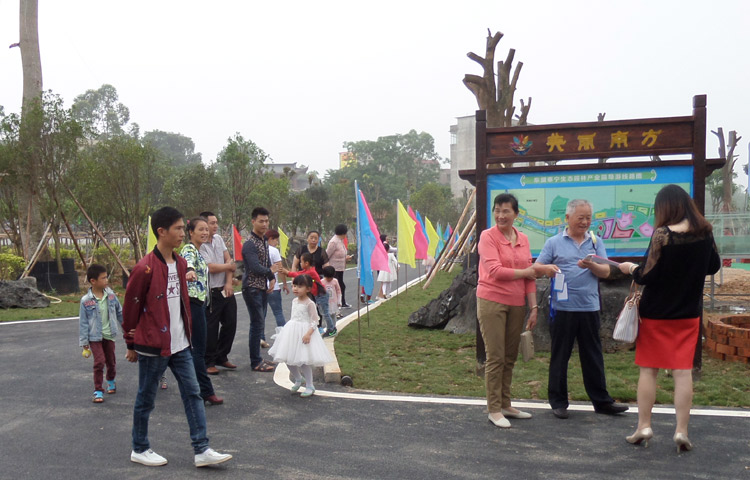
<point x="148" y="457"/>
<point x="211" y="457"/>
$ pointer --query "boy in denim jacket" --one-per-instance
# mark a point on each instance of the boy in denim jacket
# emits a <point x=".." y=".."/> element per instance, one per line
<point x="97" y="326"/>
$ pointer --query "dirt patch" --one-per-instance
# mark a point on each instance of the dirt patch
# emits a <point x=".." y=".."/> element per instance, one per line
<point x="734" y="288"/>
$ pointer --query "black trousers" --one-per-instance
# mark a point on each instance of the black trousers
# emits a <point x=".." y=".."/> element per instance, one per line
<point x="565" y="328"/>
<point x="221" y="326"/>
<point x="340" y="277"/>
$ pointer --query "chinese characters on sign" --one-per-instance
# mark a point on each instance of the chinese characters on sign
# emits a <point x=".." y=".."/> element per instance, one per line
<point x="588" y="178"/>
<point x="649" y="138"/>
<point x="618" y="139"/>
<point x="556" y="141"/>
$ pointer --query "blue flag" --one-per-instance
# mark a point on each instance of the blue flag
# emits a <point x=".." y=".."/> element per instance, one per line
<point x="441" y="242"/>
<point x="370" y="250"/>
<point x="421" y="224"/>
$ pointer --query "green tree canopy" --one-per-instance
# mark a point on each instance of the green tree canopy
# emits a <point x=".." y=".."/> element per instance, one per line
<point x="390" y="168"/>
<point x="193" y="189"/>
<point x="177" y="148"/>
<point x="436" y="202"/>
<point x="241" y="165"/>
<point x="100" y="112"/>
<point x="126" y="179"/>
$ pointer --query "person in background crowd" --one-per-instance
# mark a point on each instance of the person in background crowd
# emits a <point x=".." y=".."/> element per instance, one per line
<point x="255" y="285"/>
<point x="274" y="297"/>
<point x="197" y="283"/>
<point x="221" y="319"/>
<point x="337" y="257"/>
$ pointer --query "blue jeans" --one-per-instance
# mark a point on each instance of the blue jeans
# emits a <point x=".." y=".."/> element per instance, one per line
<point x="322" y="301"/>
<point x="257" y="303"/>
<point x="198" y="312"/>
<point x="150" y="370"/>
<point x="274" y="300"/>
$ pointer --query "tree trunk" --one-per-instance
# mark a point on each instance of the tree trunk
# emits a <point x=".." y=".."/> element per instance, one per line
<point x="56" y="237"/>
<point x="32" y="92"/>
<point x="727" y="170"/>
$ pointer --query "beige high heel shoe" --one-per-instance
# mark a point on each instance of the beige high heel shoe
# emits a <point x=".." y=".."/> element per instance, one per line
<point x="683" y="442"/>
<point x="642" y="435"/>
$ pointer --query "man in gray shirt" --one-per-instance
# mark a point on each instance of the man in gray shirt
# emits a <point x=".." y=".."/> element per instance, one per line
<point x="221" y="317"/>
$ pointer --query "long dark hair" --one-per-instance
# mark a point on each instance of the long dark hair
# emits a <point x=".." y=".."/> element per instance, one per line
<point x="673" y="204"/>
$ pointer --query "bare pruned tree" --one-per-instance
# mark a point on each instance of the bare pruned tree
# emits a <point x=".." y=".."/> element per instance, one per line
<point x="497" y="98"/>
<point x="727" y="170"/>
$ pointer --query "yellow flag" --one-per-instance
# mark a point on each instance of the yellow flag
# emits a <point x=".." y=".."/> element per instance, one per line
<point x="283" y="243"/>
<point x="432" y="236"/>
<point x="151" y="241"/>
<point x="406" y="229"/>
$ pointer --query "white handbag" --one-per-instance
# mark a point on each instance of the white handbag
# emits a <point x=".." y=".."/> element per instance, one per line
<point x="626" y="328"/>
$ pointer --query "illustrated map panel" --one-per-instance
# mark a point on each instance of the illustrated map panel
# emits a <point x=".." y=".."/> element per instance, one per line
<point x="623" y="201"/>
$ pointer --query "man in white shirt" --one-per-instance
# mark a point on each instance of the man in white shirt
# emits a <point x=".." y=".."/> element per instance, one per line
<point x="221" y="317"/>
<point x="274" y="296"/>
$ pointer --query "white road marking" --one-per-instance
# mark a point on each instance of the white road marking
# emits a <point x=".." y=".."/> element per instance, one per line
<point x="44" y="320"/>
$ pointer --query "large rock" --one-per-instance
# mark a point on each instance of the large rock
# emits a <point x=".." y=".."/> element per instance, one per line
<point x="452" y="302"/>
<point x="22" y="294"/>
<point x="455" y="309"/>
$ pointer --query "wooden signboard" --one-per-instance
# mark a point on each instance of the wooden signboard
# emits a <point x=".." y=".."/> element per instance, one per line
<point x="611" y="145"/>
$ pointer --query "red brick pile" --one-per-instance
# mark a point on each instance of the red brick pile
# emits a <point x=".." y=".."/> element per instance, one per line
<point x="728" y="339"/>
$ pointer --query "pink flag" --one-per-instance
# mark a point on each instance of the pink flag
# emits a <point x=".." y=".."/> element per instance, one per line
<point x="420" y="241"/>
<point x="379" y="258"/>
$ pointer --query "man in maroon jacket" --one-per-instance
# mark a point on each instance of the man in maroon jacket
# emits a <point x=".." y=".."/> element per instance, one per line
<point x="156" y="326"/>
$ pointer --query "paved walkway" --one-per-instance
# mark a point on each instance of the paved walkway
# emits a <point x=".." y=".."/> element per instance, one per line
<point x="50" y="429"/>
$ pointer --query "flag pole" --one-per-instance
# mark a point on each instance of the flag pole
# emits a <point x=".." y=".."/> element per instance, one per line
<point x="397" y="309"/>
<point x="359" y="323"/>
<point x="406" y="279"/>
<point x="359" y="267"/>
<point x="368" y="307"/>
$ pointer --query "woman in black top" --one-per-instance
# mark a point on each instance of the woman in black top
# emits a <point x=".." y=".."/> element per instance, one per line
<point x="320" y="257"/>
<point x="681" y="253"/>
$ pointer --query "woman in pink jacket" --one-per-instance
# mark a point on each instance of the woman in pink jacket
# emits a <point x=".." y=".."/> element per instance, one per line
<point x="506" y="289"/>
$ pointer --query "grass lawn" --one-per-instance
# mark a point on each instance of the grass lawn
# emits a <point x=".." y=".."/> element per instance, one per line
<point x="398" y="358"/>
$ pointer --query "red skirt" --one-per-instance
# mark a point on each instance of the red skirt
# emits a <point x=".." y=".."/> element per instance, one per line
<point x="667" y="343"/>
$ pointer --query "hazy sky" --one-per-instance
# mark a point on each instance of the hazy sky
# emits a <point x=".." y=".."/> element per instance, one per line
<point x="299" y="78"/>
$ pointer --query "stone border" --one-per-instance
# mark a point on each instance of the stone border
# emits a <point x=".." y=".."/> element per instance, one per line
<point x="729" y="339"/>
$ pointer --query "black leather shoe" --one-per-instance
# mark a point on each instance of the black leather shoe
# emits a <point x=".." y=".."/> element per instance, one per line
<point x="611" y="408"/>
<point x="560" y="413"/>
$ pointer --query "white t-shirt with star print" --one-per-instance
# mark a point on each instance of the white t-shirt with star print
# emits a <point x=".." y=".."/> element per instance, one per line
<point x="176" y="325"/>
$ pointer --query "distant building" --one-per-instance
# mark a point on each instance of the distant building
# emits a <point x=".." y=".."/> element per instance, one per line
<point x="445" y="177"/>
<point x="463" y="153"/>
<point x="346" y="159"/>
<point x="299" y="178"/>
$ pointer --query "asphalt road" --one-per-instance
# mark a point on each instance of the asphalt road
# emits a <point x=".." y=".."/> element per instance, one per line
<point x="50" y="429"/>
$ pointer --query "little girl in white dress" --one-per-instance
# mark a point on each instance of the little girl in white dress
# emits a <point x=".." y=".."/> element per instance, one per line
<point x="299" y="343"/>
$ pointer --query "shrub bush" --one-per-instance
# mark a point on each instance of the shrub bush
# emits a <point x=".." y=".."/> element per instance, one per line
<point x="11" y="266"/>
<point x="103" y="256"/>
